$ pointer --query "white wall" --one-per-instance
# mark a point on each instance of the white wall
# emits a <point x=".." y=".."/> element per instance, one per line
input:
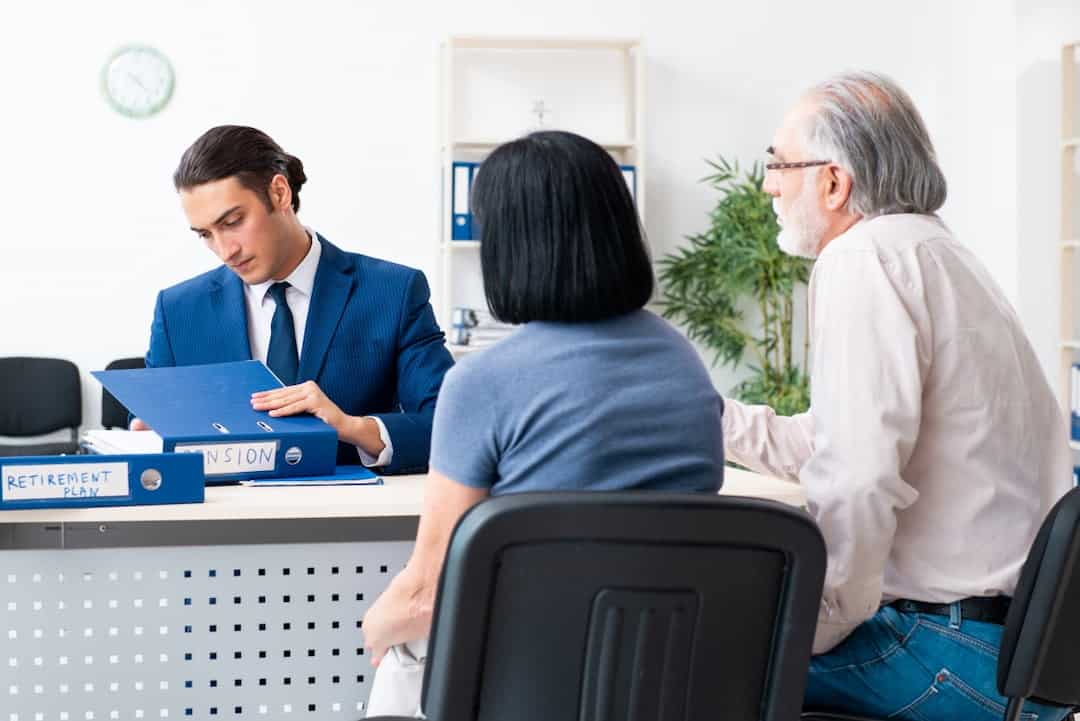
<point x="93" y="228"/>
<point x="1043" y="27"/>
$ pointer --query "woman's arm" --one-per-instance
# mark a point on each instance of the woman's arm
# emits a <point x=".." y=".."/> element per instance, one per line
<point x="404" y="611"/>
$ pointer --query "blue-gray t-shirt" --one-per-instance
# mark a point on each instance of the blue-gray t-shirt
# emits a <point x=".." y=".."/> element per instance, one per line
<point x="616" y="404"/>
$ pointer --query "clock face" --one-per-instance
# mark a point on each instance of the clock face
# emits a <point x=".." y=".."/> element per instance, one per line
<point x="138" y="81"/>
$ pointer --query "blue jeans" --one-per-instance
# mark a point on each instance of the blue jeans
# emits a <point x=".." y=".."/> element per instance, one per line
<point x="916" y="667"/>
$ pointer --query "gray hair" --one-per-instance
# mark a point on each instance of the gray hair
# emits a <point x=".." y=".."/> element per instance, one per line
<point x="865" y="123"/>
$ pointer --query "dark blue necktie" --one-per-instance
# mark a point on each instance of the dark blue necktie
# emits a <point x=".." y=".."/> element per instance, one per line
<point x="281" y="357"/>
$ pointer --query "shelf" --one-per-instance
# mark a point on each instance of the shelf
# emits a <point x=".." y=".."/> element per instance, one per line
<point x="486" y="144"/>
<point x="481" y="42"/>
<point x="1070" y="141"/>
<point x="489" y="67"/>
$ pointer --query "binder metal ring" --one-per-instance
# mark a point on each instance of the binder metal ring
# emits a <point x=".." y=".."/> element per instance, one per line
<point x="150" y="479"/>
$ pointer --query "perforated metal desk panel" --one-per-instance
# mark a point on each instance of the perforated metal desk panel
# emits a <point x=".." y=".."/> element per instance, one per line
<point x="246" y="606"/>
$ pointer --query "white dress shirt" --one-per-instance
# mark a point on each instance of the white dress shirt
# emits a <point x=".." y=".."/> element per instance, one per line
<point x="934" y="446"/>
<point x="260" y="314"/>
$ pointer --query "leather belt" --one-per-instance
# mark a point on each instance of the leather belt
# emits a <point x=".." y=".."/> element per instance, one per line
<point x="990" y="609"/>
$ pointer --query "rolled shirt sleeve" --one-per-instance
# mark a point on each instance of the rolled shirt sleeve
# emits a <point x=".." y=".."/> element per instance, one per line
<point x="385" y="456"/>
<point x="755" y="437"/>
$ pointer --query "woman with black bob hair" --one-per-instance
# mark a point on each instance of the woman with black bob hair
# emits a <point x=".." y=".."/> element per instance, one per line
<point x="592" y="392"/>
<point x="561" y="240"/>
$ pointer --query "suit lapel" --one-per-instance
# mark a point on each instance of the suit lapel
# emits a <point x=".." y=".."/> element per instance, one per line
<point x="333" y="285"/>
<point x="230" y="310"/>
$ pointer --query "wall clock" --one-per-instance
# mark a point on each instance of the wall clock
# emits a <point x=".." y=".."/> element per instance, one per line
<point x="137" y="81"/>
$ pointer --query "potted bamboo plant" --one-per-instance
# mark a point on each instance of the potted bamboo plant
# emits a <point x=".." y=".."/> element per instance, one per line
<point x="736" y="260"/>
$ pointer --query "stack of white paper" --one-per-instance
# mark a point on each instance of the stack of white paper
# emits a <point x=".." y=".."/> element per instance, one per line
<point x="120" y="442"/>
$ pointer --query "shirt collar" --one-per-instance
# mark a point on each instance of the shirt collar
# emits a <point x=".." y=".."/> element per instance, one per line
<point x="303" y="276"/>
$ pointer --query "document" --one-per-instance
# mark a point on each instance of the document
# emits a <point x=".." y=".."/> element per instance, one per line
<point x="115" y="441"/>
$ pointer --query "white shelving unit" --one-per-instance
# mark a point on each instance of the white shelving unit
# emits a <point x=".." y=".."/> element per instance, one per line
<point x="1070" y="225"/>
<point x="490" y="87"/>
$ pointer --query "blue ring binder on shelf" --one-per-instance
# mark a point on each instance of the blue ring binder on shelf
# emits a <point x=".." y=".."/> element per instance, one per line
<point x="1074" y="402"/>
<point x="463" y="174"/>
<point x="83" y="481"/>
<point x="207" y="409"/>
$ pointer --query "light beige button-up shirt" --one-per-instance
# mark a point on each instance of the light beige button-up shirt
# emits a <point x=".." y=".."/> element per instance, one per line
<point x="934" y="445"/>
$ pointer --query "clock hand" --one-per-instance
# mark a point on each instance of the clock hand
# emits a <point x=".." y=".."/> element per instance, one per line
<point x="135" y="79"/>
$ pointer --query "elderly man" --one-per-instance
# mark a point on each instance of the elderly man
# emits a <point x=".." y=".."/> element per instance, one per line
<point x="934" y="446"/>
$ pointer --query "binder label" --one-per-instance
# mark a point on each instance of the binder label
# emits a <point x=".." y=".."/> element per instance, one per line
<point x="224" y="458"/>
<point x="63" y="480"/>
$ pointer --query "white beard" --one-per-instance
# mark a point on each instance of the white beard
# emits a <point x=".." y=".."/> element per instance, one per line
<point x="803" y="230"/>
<point x="793" y="242"/>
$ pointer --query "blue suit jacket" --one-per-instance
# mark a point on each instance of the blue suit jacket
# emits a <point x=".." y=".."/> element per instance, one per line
<point x="371" y="342"/>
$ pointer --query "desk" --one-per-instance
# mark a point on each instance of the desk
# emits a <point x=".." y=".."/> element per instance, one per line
<point x="247" y="605"/>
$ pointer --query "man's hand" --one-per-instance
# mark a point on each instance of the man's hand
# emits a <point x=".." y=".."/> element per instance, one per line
<point x="307" y="397"/>
<point x="138" y="424"/>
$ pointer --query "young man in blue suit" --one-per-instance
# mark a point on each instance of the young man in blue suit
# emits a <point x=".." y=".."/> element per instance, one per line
<point x="353" y="338"/>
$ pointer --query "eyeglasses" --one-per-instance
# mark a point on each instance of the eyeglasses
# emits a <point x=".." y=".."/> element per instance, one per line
<point x="773" y="165"/>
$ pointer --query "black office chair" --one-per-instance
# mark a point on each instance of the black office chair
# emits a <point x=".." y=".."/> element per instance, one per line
<point x="1038" y="656"/>
<point x="113" y="413"/>
<point x="39" y="396"/>
<point x="623" y="606"/>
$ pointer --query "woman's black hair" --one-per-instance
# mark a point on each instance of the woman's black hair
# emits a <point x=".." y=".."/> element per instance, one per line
<point x="560" y="239"/>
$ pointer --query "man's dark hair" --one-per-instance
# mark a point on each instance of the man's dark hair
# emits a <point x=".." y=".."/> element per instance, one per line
<point x="248" y="154"/>
<point x="560" y="239"/>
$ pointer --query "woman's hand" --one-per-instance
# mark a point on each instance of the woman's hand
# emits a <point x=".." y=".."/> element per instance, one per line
<point x="404" y="611"/>
<point x="398" y="615"/>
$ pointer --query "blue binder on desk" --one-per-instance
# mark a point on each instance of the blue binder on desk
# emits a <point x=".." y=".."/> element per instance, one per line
<point x="207" y="409"/>
<point x="82" y="481"/>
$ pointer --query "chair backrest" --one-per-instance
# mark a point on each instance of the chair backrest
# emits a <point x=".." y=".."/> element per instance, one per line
<point x="38" y="396"/>
<point x="113" y="413"/>
<point x="624" y="606"/>
<point x="1039" y="657"/>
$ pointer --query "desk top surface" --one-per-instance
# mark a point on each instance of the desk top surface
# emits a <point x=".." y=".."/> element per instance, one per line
<point x="398" y="496"/>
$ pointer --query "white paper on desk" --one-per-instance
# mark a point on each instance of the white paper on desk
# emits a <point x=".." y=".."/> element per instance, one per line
<point x="122" y="442"/>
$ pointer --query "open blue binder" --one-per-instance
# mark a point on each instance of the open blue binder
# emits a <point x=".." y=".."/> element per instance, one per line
<point x="83" y="481"/>
<point x="207" y="409"/>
